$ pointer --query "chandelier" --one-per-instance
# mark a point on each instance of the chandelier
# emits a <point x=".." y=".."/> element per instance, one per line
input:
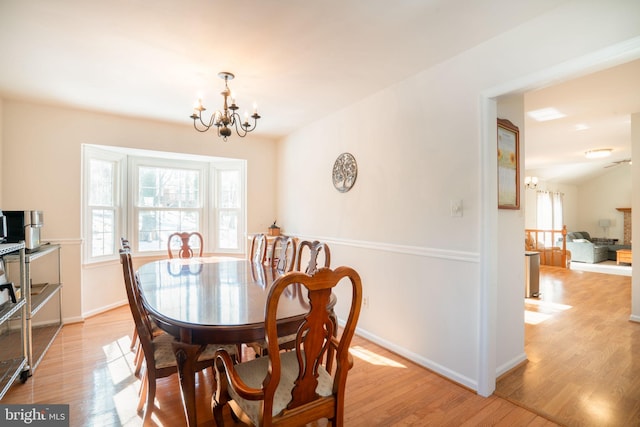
<point x="531" y="182"/>
<point x="228" y="118"/>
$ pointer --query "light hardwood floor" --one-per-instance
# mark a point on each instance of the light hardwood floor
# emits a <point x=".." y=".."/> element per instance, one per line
<point x="89" y="367"/>
<point x="583" y="365"/>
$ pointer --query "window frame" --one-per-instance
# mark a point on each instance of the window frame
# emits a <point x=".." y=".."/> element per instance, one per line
<point x="129" y="160"/>
<point x="216" y="169"/>
<point x="118" y="159"/>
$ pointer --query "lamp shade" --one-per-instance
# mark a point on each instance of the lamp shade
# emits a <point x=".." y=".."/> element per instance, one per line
<point x="604" y="222"/>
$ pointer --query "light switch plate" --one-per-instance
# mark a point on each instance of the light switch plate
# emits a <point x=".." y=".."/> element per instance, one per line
<point x="456" y="208"/>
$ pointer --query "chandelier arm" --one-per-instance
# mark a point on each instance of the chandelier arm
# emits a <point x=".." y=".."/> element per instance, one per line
<point x="245" y="127"/>
<point x="195" y="126"/>
<point x="235" y="119"/>
<point x="204" y="125"/>
<point x="211" y="120"/>
<point x="228" y="118"/>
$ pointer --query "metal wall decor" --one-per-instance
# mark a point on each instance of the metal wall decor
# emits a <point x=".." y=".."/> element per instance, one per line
<point x="345" y="172"/>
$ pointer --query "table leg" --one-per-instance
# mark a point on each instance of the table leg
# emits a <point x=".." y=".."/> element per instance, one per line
<point x="186" y="357"/>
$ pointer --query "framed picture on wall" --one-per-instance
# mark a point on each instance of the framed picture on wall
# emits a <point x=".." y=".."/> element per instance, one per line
<point x="508" y="165"/>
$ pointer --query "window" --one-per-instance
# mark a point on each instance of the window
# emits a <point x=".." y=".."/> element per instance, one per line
<point x="549" y="213"/>
<point x="148" y="196"/>
<point x="167" y="199"/>
<point x="102" y="185"/>
<point x="229" y="211"/>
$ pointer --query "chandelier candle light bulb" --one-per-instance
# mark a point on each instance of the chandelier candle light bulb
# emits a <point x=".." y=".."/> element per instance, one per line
<point x="227" y="118"/>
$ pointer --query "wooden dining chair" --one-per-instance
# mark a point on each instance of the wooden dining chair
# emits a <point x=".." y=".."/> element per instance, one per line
<point x="258" y="248"/>
<point x="159" y="359"/>
<point x="283" y="253"/>
<point x="283" y="250"/>
<point x="186" y="248"/>
<point x="314" y="249"/>
<point x="137" y="360"/>
<point x="310" y="251"/>
<point x="295" y="387"/>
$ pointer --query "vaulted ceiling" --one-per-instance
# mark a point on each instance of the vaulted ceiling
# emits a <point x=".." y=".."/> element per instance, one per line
<point x="597" y="112"/>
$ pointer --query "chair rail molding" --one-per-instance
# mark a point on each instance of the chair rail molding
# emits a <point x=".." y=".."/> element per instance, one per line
<point x="464" y="256"/>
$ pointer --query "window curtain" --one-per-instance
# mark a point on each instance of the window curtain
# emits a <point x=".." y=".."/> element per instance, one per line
<point x="549" y="213"/>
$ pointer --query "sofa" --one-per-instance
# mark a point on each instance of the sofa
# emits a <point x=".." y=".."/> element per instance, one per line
<point x="583" y="249"/>
<point x="612" y="245"/>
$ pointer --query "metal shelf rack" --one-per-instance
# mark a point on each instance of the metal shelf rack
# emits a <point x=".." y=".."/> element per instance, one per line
<point x="13" y="326"/>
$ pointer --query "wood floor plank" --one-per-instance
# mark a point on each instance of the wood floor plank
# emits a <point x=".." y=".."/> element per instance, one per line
<point x="582" y="367"/>
<point x="90" y="367"/>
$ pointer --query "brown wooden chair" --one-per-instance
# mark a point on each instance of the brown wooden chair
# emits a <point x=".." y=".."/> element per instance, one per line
<point x="283" y="250"/>
<point x="137" y="360"/>
<point x="186" y="248"/>
<point x="314" y="248"/>
<point x="295" y="387"/>
<point x="258" y="248"/>
<point x="159" y="359"/>
<point x="283" y="254"/>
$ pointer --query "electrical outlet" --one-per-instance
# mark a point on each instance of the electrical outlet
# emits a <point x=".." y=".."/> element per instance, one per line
<point x="365" y="302"/>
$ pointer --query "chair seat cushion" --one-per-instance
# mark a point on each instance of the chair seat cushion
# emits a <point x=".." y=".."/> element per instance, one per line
<point x="261" y="345"/>
<point x="253" y="373"/>
<point x="165" y="357"/>
<point x="162" y="351"/>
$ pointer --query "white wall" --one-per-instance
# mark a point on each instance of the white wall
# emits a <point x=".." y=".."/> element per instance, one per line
<point x="510" y="304"/>
<point x="598" y="199"/>
<point x="420" y="144"/>
<point x="41" y="169"/>
<point x="394" y="227"/>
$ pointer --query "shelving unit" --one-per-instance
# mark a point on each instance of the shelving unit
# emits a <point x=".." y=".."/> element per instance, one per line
<point x="13" y="348"/>
<point x="43" y="300"/>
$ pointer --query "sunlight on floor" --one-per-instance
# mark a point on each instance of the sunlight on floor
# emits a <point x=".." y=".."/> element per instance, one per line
<point x="546" y="309"/>
<point x="534" y="318"/>
<point x="600" y="409"/>
<point x="554" y="306"/>
<point x="119" y="359"/>
<point x="373" y="358"/>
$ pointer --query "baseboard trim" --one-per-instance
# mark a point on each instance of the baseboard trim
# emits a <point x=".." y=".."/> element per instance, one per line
<point x="511" y="364"/>
<point x="420" y="360"/>
<point x="102" y="309"/>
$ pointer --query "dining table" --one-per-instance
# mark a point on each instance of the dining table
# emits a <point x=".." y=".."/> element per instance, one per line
<point x="213" y="300"/>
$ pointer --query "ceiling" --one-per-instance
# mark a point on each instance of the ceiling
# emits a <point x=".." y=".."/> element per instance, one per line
<point x="298" y="60"/>
<point x="603" y="103"/>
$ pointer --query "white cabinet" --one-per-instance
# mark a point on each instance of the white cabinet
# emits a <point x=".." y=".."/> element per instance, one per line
<point x="43" y="299"/>
<point x="13" y="316"/>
